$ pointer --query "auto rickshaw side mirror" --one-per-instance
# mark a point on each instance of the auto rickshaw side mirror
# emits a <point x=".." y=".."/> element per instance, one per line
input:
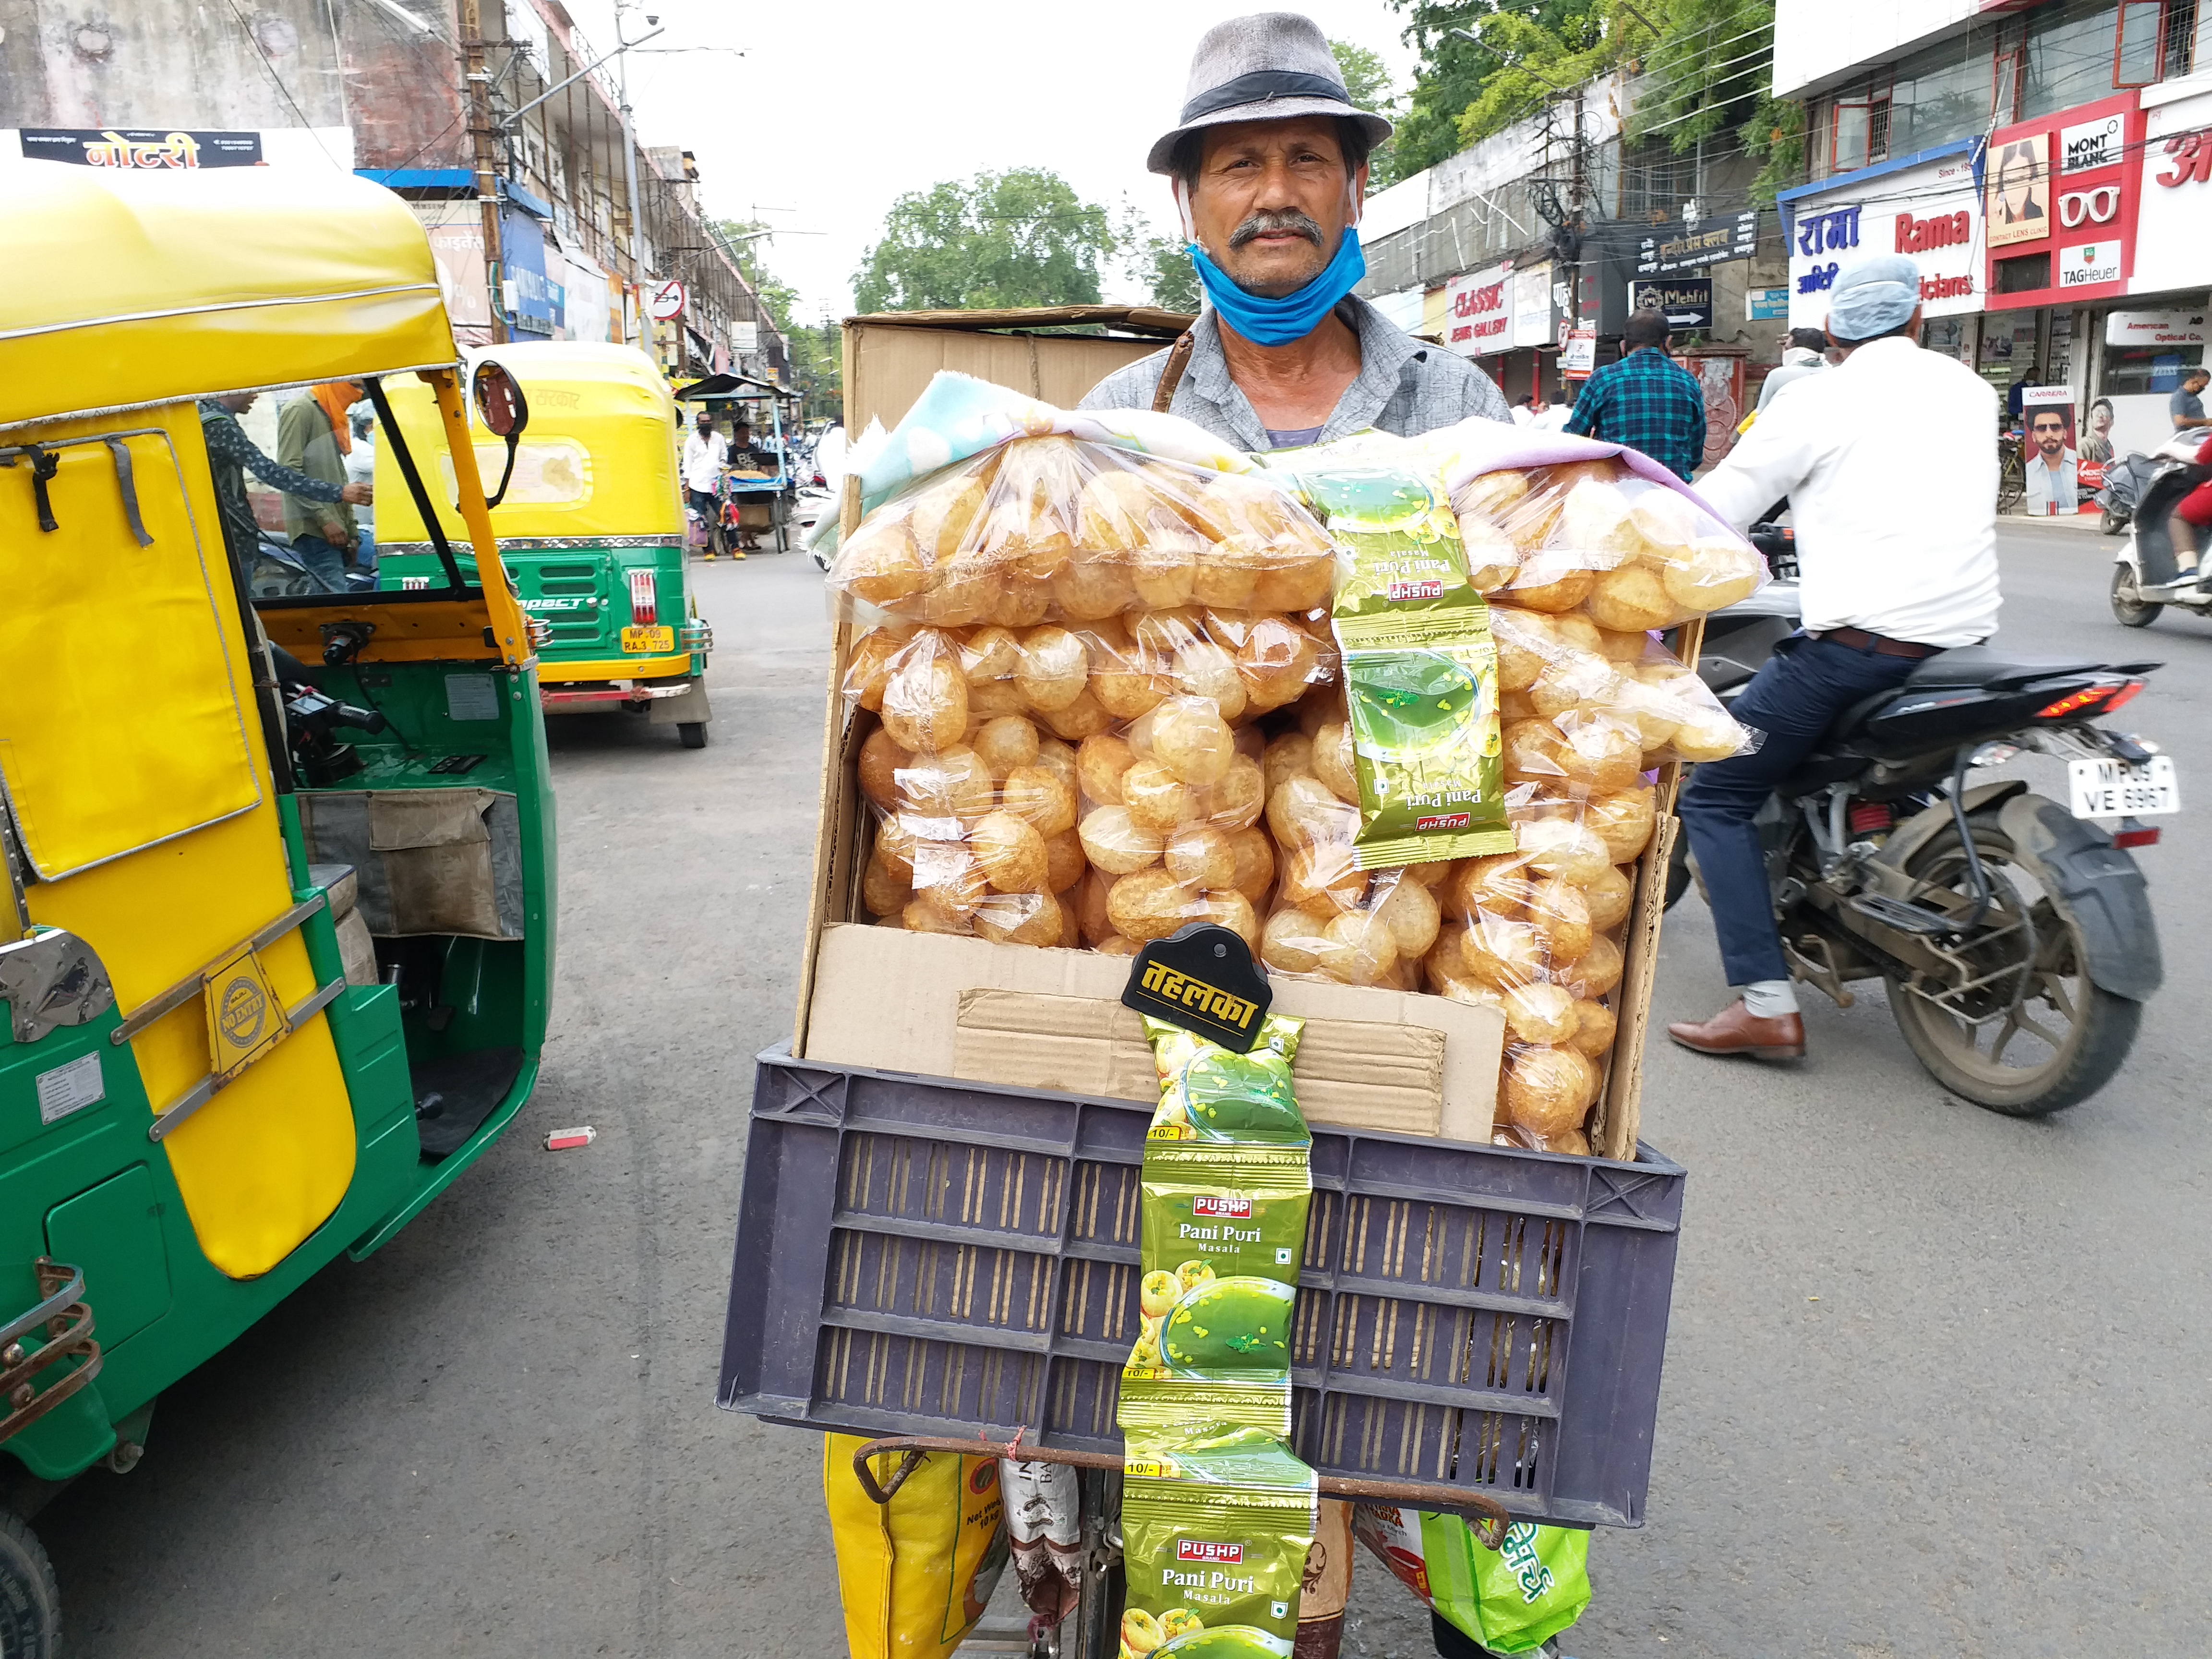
<point x="505" y="412"/>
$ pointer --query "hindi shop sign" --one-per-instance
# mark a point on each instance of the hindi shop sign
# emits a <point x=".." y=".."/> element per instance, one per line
<point x="1479" y="312"/>
<point x="1931" y="213"/>
<point x="141" y="148"/>
<point x="1698" y="244"/>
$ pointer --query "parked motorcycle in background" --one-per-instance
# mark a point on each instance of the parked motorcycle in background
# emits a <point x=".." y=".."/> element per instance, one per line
<point x="2013" y="934"/>
<point x="2146" y="576"/>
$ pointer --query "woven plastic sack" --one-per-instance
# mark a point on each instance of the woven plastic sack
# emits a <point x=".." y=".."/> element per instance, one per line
<point x="916" y="1574"/>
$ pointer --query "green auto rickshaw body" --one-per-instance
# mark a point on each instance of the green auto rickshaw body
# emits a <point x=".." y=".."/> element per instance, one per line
<point x="590" y="528"/>
<point x="268" y="984"/>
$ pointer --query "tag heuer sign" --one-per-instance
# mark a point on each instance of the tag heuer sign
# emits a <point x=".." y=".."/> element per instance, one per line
<point x="1203" y="980"/>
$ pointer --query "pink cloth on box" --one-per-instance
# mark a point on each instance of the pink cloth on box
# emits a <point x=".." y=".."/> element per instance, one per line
<point x="1488" y="446"/>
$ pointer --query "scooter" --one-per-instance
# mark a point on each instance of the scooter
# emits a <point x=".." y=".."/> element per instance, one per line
<point x="2146" y="576"/>
<point x="2124" y="481"/>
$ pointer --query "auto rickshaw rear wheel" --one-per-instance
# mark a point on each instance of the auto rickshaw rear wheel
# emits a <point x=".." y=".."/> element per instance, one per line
<point x="692" y="734"/>
<point x="30" y="1601"/>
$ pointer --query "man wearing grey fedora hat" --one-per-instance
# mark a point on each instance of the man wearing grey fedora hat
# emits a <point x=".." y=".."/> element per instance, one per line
<point x="1269" y="167"/>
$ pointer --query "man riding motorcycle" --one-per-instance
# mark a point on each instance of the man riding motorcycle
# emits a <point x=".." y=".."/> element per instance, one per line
<point x="1887" y="462"/>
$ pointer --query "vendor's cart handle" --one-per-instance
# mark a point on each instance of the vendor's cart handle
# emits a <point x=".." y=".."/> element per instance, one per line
<point x="1485" y="1514"/>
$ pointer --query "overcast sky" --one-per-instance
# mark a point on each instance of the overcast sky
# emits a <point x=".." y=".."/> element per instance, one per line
<point x="840" y="106"/>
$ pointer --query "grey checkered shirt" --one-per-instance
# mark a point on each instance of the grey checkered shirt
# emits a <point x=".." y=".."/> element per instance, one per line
<point x="1404" y="386"/>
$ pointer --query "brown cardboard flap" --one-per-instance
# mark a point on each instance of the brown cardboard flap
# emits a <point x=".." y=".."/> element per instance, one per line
<point x="1361" y="1074"/>
<point x="938" y="1006"/>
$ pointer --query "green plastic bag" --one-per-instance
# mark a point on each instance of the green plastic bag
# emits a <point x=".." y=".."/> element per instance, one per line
<point x="1510" y="1600"/>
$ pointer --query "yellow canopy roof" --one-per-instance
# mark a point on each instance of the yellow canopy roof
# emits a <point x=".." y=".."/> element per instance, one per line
<point x="598" y="457"/>
<point x="143" y="288"/>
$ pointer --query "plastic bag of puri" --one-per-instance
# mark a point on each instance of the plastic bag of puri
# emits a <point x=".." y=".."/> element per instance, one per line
<point x="1511" y="1600"/>
<point x="915" y="1574"/>
<point x="1216" y="1524"/>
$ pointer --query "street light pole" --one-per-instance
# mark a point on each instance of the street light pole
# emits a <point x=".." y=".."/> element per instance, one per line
<point x="476" y="88"/>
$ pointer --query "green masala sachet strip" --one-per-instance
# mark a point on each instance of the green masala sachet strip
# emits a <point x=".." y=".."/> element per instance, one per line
<point x="1216" y="1524"/>
<point x="1210" y="1093"/>
<point x="1420" y="669"/>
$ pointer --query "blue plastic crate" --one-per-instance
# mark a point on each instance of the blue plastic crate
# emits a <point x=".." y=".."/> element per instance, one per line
<point x="921" y="1255"/>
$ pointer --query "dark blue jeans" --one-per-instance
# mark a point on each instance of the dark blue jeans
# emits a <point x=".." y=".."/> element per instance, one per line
<point x="322" y="557"/>
<point x="1789" y="704"/>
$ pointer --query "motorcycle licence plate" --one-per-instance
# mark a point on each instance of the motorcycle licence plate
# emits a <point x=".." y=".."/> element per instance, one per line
<point x="648" y="639"/>
<point x="2111" y="788"/>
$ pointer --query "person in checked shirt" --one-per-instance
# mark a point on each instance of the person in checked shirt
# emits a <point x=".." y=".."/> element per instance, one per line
<point x="1647" y="400"/>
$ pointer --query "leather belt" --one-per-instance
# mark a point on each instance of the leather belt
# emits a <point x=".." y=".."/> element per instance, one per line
<point x="1881" y="644"/>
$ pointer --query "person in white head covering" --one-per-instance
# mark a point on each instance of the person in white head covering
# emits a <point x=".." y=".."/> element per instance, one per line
<point x="1891" y="480"/>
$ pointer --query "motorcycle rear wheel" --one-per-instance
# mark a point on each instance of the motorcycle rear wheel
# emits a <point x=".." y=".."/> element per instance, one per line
<point x="2016" y="1026"/>
<point x="2130" y="608"/>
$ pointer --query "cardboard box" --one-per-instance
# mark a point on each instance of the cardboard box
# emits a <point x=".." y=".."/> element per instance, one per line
<point x="937" y="1005"/>
<point x="890" y="356"/>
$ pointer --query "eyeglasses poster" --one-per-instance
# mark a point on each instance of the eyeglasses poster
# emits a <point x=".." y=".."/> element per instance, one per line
<point x="2019" y="209"/>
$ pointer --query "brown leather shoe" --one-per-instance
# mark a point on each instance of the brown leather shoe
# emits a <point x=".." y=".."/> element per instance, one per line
<point x="1734" y="1030"/>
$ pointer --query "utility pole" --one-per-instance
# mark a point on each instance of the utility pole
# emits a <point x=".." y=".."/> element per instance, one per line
<point x="476" y="87"/>
<point x="630" y="169"/>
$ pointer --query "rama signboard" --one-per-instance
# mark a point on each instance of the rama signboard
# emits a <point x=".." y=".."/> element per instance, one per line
<point x="1928" y="207"/>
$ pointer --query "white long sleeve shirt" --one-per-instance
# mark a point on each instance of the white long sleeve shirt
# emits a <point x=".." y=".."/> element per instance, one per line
<point x="1890" y="464"/>
<point x="704" y="459"/>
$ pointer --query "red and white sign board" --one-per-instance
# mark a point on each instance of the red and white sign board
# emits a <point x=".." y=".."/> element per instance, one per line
<point x="666" y="301"/>
<point x="2175" y="191"/>
<point x="1479" y="312"/>
<point x="2062" y="193"/>
<point x="1578" y="354"/>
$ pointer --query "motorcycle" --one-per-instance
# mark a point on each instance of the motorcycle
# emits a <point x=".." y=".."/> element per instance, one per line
<point x="2145" y="577"/>
<point x="2013" y="935"/>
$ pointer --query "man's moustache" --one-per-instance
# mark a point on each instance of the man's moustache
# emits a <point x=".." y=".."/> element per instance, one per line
<point x="1262" y="224"/>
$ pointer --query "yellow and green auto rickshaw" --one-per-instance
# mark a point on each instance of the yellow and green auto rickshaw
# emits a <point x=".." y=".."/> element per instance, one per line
<point x="591" y="525"/>
<point x="276" y="921"/>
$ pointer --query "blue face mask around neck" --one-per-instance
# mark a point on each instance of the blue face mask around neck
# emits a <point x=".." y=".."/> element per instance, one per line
<point x="1273" y="322"/>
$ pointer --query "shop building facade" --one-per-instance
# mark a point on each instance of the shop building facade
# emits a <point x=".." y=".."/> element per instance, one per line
<point x="585" y="220"/>
<point x="2048" y="166"/>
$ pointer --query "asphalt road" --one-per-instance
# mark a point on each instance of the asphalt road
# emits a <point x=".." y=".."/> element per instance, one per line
<point x="1936" y="1380"/>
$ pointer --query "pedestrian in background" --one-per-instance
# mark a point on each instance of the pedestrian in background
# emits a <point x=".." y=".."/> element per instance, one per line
<point x="1806" y="354"/>
<point x="313" y="437"/>
<point x="2186" y="406"/>
<point x="1647" y="400"/>
<point x="706" y="452"/>
<point x="361" y="469"/>
<point x="231" y="456"/>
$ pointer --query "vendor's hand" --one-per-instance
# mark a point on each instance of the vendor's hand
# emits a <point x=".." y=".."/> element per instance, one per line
<point x="357" y="495"/>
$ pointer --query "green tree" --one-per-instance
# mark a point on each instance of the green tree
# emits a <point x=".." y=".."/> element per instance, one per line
<point x="1480" y="78"/>
<point x="1708" y="70"/>
<point x="1018" y="238"/>
<point x="1367" y="78"/>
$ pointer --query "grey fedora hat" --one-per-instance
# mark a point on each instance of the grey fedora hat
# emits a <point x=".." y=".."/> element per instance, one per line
<point x="1270" y="66"/>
